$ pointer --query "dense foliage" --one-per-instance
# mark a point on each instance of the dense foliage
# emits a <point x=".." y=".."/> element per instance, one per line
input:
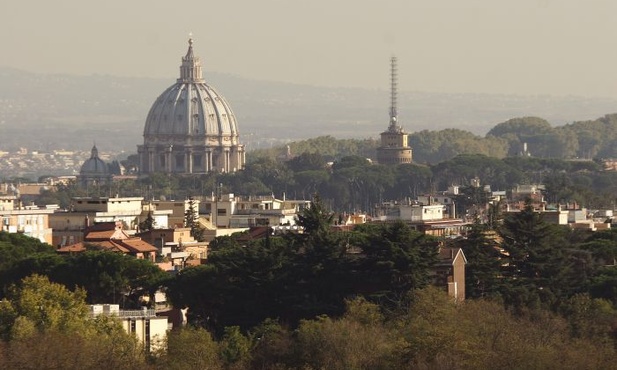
<point x="353" y="184"/>
<point x="295" y="277"/>
<point x="44" y="325"/>
<point x="588" y="139"/>
<point x="431" y="332"/>
<point x="106" y="277"/>
<point x="585" y="139"/>
<point x="539" y="296"/>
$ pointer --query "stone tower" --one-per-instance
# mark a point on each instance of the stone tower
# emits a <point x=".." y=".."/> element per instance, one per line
<point x="394" y="148"/>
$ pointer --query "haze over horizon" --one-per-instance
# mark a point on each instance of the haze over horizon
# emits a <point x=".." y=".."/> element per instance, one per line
<point x="529" y="47"/>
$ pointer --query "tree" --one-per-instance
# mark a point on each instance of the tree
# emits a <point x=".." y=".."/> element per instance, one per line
<point x="111" y="277"/>
<point x="190" y="348"/>
<point x="38" y="311"/>
<point x="350" y="161"/>
<point x="471" y="201"/>
<point x="272" y="346"/>
<point x="603" y="284"/>
<point x="411" y="181"/>
<point x="320" y="266"/>
<point x="315" y="220"/>
<point x="148" y="224"/>
<point x="191" y="220"/>
<point x="483" y="269"/>
<point x="358" y="340"/>
<point x="307" y="162"/>
<point x="395" y="259"/>
<point x="15" y="247"/>
<point x="37" y="305"/>
<point x="235" y="348"/>
<point x="537" y="267"/>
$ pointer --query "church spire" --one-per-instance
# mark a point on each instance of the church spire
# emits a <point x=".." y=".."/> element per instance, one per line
<point x="393" y="85"/>
<point x="190" y="70"/>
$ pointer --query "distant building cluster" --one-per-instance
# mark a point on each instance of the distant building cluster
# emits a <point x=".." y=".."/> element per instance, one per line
<point x="25" y="163"/>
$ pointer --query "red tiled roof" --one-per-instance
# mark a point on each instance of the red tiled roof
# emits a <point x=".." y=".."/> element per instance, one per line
<point x="111" y="245"/>
<point x="255" y="232"/>
<point x="101" y="226"/>
<point x="193" y="262"/>
<point x="107" y="245"/>
<point x="73" y="248"/>
<point x="136" y="245"/>
<point x="106" y="235"/>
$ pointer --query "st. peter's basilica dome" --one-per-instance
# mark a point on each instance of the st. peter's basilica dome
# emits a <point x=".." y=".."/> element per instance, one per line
<point x="191" y="127"/>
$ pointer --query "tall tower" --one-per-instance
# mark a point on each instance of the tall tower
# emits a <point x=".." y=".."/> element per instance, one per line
<point x="394" y="148"/>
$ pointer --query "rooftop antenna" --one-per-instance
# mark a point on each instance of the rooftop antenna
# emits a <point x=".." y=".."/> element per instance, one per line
<point x="393" y="84"/>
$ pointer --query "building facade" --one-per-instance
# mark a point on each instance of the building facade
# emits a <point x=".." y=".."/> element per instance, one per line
<point x="232" y="211"/>
<point x="449" y="272"/>
<point x="191" y="128"/>
<point x="149" y="329"/>
<point x="69" y="225"/>
<point x="32" y="221"/>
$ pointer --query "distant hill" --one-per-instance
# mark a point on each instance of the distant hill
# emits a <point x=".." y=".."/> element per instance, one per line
<point x="46" y="112"/>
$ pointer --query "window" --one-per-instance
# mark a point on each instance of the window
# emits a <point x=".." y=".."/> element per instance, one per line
<point x="221" y="212"/>
<point x="262" y="222"/>
<point x="147" y="334"/>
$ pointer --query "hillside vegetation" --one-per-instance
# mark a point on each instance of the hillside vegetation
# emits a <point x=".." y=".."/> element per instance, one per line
<point x="584" y="140"/>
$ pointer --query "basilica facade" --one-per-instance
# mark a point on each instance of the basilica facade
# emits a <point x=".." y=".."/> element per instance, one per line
<point x="191" y="128"/>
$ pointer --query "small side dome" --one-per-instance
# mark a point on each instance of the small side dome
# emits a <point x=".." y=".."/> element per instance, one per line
<point x="94" y="165"/>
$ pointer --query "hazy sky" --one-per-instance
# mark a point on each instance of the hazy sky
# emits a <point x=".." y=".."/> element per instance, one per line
<point x="560" y="47"/>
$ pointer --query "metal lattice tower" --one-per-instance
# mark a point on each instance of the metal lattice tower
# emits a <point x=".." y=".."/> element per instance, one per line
<point x="393" y="85"/>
